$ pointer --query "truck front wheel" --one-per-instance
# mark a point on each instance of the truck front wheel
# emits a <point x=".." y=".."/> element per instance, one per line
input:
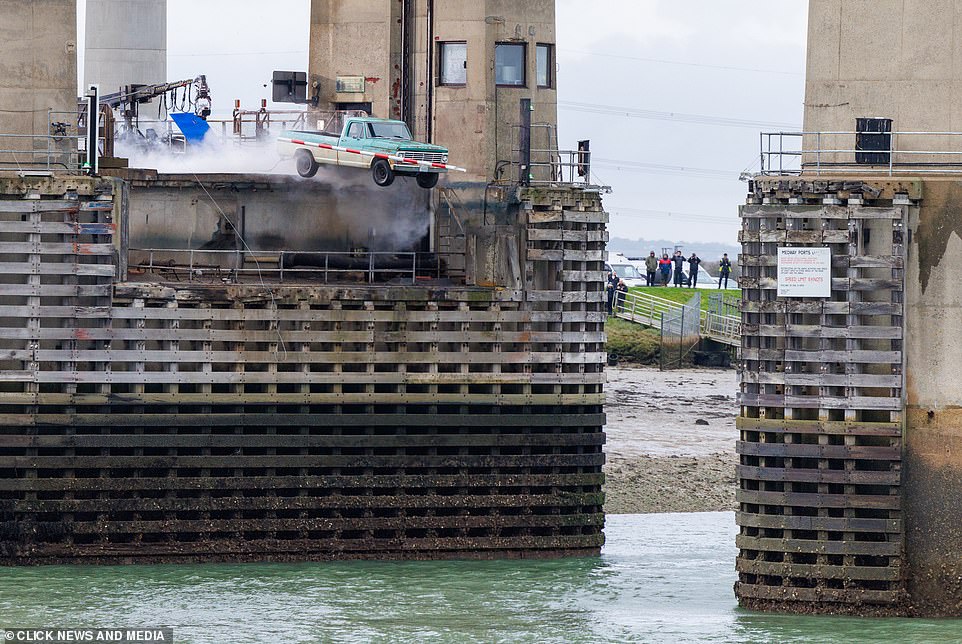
<point x="306" y="165"/>
<point x="427" y="179"/>
<point x="382" y="173"/>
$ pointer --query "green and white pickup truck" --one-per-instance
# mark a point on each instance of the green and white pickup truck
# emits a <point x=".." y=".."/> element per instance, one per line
<point x="381" y="145"/>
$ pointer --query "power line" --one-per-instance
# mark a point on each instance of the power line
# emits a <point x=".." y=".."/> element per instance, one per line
<point x="680" y="117"/>
<point x="235" y="53"/>
<point x="641" y="213"/>
<point x="660" y="169"/>
<point x="684" y="63"/>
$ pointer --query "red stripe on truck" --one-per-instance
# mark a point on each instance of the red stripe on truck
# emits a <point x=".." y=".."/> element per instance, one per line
<point x="296" y="142"/>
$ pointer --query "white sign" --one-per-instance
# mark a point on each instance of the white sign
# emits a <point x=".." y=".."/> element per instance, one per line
<point x="804" y="272"/>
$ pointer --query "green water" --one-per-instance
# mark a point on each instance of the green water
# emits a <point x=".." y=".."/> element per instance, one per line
<point x="662" y="578"/>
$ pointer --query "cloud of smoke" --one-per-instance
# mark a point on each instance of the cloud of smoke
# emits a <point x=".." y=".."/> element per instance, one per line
<point x="395" y="218"/>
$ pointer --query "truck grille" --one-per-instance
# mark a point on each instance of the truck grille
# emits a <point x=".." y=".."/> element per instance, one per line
<point x="432" y="157"/>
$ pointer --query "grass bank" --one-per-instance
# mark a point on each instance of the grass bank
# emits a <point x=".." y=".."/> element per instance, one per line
<point x="682" y="295"/>
<point x="629" y="342"/>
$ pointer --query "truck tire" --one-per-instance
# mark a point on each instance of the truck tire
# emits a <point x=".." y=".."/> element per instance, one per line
<point x="306" y="165"/>
<point x="382" y="173"/>
<point x="428" y="180"/>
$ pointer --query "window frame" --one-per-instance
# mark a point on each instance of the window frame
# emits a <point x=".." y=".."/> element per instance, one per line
<point x="549" y="48"/>
<point x="524" y="63"/>
<point x="440" y="75"/>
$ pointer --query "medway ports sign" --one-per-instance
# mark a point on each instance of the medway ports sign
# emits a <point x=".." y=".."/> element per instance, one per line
<point x="804" y="272"/>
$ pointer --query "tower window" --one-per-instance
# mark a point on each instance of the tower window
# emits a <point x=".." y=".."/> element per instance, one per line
<point x="453" y="59"/>
<point x="545" y="63"/>
<point x="509" y="64"/>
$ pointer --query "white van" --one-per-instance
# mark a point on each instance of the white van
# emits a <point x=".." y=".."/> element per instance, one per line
<point x="626" y="270"/>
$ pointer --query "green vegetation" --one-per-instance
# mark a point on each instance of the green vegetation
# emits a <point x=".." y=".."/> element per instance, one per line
<point x="629" y="342"/>
<point x="682" y="295"/>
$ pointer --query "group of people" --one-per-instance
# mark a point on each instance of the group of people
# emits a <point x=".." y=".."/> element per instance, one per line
<point x="616" y="288"/>
<point x="664" y="267"/>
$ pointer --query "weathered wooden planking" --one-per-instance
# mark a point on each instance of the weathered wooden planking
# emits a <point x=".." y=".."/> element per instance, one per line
<point x="299" y="461"/>
<point x="199" y="485"/>
<point x="876" y="548"/>
<point x="806" y="475"/>
<point x="819" y="571"/>
<point x="814" y="500"/>
<point x="827" y="524"/>
<point x="315" y="421"/>
<point x="819" y="427"/>
<point x="801" y="450"/>
<point x="821" y="596"/>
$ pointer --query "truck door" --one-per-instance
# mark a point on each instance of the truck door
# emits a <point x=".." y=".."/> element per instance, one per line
<point x="353" y="139"/>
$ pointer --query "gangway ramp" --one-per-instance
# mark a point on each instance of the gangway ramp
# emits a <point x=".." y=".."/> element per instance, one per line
<point x="646" y="309"/>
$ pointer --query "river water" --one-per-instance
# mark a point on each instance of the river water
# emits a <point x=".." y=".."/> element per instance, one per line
<point x="661" y="578"/>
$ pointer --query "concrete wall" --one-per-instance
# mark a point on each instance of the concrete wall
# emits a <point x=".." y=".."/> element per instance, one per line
<point x="38" y="64"/>
<point x="933" y="435"/>
<point x="898" y="59"/>
<point x="276" y="213"/>
<point x="477" y="121"/>
<point x="126" y="43"/>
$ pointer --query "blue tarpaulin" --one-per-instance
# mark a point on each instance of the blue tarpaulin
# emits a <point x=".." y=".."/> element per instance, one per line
<point x="193" y="127"/>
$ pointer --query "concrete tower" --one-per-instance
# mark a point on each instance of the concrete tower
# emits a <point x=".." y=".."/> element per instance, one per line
<point x="851" y="443"/>
<point x="126" y="43"/>
<point x="38" y="63"/>
<point x="454" y="71"/>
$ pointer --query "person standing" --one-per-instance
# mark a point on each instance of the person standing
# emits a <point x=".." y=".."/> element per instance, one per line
<point x="664" y="265"/>
<point x="620" y="292"/>
<point x="651" y="266"/>
<point x="693" y="263"/>
<point x="610" y="290"/>
<point x="679" y="261"/>
<point x="725" y="266"/>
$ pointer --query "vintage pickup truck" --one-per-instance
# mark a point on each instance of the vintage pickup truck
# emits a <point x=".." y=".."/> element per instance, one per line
<point x="384" y="146"/>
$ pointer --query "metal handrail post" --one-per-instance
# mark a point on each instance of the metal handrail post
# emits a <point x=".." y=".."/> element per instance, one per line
<point x="327" y="256"/>
<point x="892" y="151"/>
<point x="818" y="153"/>
<point x="414" y="269"/>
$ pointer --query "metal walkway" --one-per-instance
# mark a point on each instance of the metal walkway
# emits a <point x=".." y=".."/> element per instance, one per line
<point x="646" y="310"/>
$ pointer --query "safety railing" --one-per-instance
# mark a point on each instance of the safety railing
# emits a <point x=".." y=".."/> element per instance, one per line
<point x="234" y="266"/>
<point x="726" y="329"/>
<point x="721" y="323"/>
<point x="643" y="308"/>
<point x="46" y="153"/>
<point x="890" y="153"/>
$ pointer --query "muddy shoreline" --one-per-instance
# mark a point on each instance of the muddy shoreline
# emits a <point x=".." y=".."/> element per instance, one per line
<point x="670" y="440"/>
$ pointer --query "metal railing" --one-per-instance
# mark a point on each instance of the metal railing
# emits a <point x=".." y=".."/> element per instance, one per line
<point x="30" y="152"/>
<point x="721" y="323"/>
<point x="233" y="266"/>
<point x="680" y="333"/>
<point x="795" y="153"/>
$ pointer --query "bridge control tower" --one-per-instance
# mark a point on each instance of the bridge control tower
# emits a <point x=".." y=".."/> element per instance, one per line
<point x="851" y="432"/>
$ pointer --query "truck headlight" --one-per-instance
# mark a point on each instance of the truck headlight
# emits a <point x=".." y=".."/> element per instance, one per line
<point x="444" y="158"/>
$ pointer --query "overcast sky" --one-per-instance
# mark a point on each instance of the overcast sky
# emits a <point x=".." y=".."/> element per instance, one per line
<point x="631" y="73"/>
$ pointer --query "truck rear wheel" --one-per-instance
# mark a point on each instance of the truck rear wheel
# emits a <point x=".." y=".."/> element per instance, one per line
<point x="382" y="173"/>
<point x="306" y="165"/>
<point x="427" y="180"/>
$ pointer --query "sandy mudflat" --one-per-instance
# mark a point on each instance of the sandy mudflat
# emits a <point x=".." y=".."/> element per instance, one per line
<point x="659" y="459"/>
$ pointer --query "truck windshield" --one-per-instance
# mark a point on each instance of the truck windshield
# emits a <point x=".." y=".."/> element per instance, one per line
<point x="626" y="270"/>
<point x="389" y="131"/>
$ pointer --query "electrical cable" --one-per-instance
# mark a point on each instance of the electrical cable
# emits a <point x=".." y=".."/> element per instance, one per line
<point x="680" y="117"/>
<point x="257" y="264"/>
<point x="684" y="63"/>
